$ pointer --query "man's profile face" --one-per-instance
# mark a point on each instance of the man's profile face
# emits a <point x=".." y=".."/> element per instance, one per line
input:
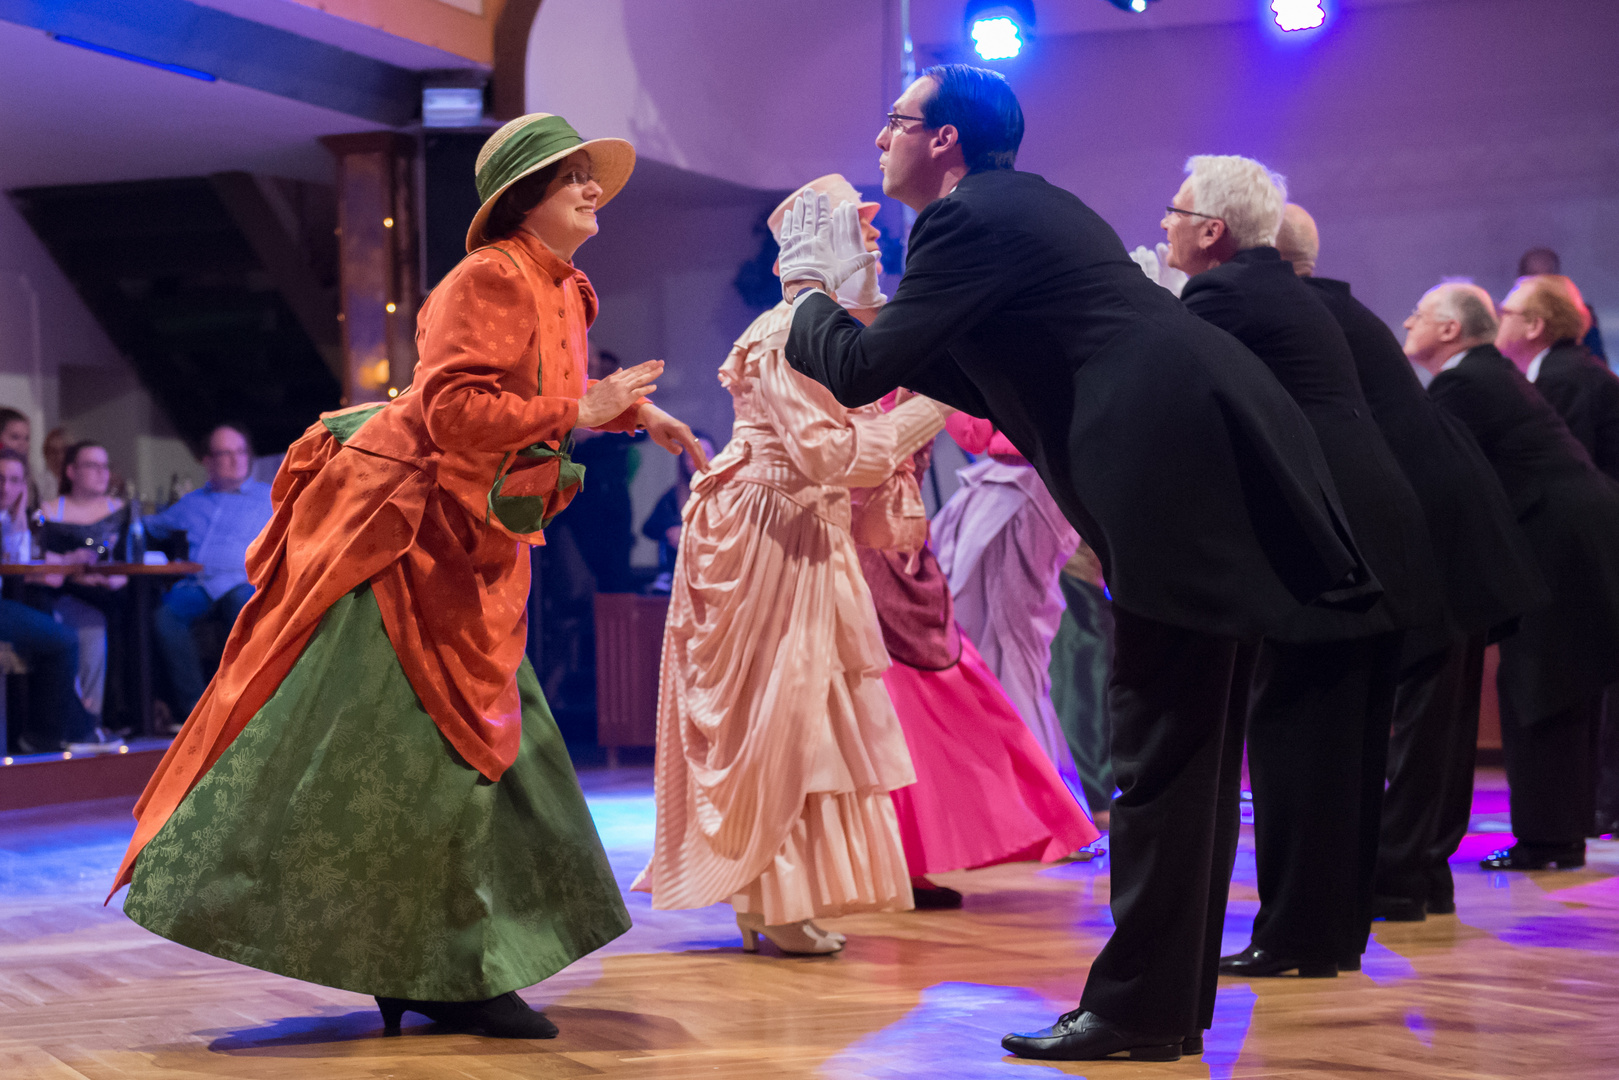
<point x="229" y="459"/>
<point x="1423" y="330"/>
<point x="1186" y="252"/>
<point x="905" y="158"/>
<point x="1513" y="337"/>
<point x="14" y="437"/>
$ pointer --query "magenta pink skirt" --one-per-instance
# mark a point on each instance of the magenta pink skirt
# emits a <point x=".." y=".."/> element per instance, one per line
<point x="985" y="792"/>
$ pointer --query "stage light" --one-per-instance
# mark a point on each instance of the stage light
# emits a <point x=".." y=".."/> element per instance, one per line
<point x="1298" y="14"/>
<point x="999" y="29"/>
<point x="1136" y="6"/>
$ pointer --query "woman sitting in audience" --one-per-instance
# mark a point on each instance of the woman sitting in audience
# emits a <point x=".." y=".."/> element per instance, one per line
<point x="82" y="525"/>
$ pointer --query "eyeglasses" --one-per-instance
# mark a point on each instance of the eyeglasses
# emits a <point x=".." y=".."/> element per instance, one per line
<point x="1504" y="312"/>
<point x="896" y="119"/>
<point x="575" y="178"/>
<point x="1192" y="213"/>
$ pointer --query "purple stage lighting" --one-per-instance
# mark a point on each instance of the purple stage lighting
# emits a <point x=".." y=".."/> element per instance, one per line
<point x="1298" y="14"/>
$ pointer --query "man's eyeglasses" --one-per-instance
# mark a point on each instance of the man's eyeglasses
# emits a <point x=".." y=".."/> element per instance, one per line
<point x="896" y="120"/>
<point x="1191" y="213"/>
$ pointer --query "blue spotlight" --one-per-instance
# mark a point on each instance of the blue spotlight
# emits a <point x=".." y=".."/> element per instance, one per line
<point x="1298" y="14"/>
<point x="999" y="29"/>
<point x="997" y="38"/>
<point x="1137" y="6"/>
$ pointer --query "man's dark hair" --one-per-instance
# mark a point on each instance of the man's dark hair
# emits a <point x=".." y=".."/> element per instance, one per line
<point x="980" y="105"/>
<point x="523" y="196"/>
<point x="230" y="425"/>
<point x="9" y="416"/>
<point x="1540" y="260"/>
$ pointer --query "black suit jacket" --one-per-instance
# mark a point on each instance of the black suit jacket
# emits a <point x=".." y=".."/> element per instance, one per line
<point x="1585" y="394"/>
<point x="1486" y="566"/>
<point x="1566" y="652"/>
<point x="1170" y="448"/>
<point x="1258" y="299"/>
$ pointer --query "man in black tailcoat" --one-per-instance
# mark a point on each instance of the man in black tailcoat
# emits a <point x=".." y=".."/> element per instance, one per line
<point x="1544" y="323"/>
<point x="1554" y="668"/>
<point x="1489" y="577"/>
<point x="1170" y="448"/>
<point x="1324" y="681"/>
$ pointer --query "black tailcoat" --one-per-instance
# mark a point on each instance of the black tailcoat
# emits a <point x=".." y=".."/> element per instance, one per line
<point x="1488" y="570"/>
<point x="1170" y="448"/>
<point x="1585" y="394"/>
<point x="1258" y="299"/>
<point x="1564" y="653"/>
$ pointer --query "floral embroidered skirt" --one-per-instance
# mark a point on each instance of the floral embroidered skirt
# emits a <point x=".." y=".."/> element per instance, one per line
<point x="340" y="840"/>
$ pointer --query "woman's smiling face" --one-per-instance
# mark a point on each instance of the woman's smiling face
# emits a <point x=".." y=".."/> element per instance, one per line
<point x="566" y="217"/>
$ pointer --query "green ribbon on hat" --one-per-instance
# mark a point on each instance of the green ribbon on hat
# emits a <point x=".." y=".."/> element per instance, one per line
<point x="521" y="151"/>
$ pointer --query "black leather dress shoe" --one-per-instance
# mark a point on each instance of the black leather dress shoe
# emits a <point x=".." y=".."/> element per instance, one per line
<point x="931" y="897"/>
<point x="1524" y="857"/>
<point x="1192" y="1045"/>
<point x="1084" y="1036"/>
<point x="1349" y="963"/>
<point x="1255" y="963"/>
<point x="1398" y="909"/>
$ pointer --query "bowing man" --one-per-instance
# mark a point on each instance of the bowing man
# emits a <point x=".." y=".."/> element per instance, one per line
<point x="1554" y="668"/>
<point x="1167" y="445"/>
<point x="1489" y="578"/>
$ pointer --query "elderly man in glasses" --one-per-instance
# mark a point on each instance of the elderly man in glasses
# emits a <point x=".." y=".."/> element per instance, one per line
<point x="219" y="520"/>
<point x="1167" y="445"/>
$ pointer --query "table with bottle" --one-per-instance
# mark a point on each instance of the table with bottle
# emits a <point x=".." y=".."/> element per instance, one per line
<point x="120" y="551"/>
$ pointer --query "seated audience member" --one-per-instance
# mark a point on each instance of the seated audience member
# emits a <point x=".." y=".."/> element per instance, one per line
<point x="1543" y="321"/>
<point x="1554" y="669"/>
<point x="1542" y="260"/>
<point x="56" y="718"/>
<point x="663" y="525"/>
<point x="16" y="433"/>
<point x="80" y="525"/>
<point x="16" y="541"/>
<point x="220" y="520"/>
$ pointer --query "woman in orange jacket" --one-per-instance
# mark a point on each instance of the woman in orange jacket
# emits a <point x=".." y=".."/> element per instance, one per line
<point x="372" y="794"/>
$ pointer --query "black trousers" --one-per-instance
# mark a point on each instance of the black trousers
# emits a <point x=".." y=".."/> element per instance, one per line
<point x="1177" y="759"/>
<point x="1551" y="773"/>
<point x="1432" y="754"/>
<point x="1607" y="764"/>
<point x="1317" y="749"/>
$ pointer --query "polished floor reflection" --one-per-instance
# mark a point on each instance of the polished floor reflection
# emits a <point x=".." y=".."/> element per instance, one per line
<point x="1522" y="982"/>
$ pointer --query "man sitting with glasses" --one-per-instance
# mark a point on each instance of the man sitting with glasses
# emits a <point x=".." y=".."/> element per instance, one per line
<point x="219" y="521"/>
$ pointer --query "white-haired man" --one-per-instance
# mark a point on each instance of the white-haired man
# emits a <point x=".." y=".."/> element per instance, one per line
<point x="1490" y="578"/>
<point x="1324" y="682"/>
<point x="1554" y="668"/>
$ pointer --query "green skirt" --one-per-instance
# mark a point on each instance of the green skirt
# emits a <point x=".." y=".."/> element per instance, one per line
<point x="342" y="841"/>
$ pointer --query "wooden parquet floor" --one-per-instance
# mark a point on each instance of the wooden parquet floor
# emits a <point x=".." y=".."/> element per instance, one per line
<point x="1523" y="983"/>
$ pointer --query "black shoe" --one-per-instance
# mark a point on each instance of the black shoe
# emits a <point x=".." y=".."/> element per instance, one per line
<point x="505" y="1017"/>
<point x="1397" y="909"/>
<point x="931" y="897"/>
<point x="1192" y="1045"/>
<point x="1442" y="906"/>
<point x="1255" y="962"/>
<point x="1349" y="963"/>
<point x="1084" y="1036"/>
<point x="1524" y="857"/>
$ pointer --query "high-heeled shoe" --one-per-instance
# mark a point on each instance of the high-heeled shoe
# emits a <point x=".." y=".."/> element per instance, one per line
<point x="795" y="939"/>
<point x="824" y="932"/>
<point x="505" y="1017"/>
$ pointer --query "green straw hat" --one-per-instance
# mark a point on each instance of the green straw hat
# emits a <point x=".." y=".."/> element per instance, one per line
<point x="530" y="143"/>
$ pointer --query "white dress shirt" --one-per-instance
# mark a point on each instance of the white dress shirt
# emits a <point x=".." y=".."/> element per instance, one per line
<point x="1534" y="365"/>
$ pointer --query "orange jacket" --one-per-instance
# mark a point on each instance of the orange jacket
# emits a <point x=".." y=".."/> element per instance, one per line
<point x="405" y="503"/>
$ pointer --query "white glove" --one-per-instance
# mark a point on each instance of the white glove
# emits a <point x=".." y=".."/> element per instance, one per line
<point x="861" y="290"/>
<point x="1147" y="260"/>
<point x="807" y="248"/>
<point x="1170" y="278"/>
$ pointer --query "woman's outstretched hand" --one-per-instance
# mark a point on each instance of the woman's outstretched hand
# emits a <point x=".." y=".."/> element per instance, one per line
<point x="617" y="392"/>
<point x="671" y="434"/>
